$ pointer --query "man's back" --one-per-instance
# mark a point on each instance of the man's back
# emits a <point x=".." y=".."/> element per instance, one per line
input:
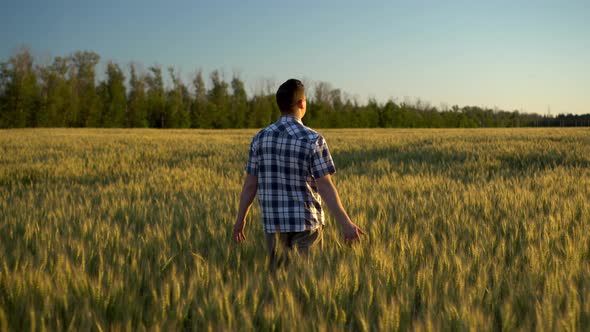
<point x="289" y="166"/>
<point x="287" y="157"/>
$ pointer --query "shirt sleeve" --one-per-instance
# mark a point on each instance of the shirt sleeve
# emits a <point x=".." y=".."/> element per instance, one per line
<point x="252" y="163"/>
<point x="321" y="159"/>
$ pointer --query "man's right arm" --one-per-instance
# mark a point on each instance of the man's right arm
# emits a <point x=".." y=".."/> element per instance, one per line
<point x="330" y="196"/>
<point x="246" y="198"/>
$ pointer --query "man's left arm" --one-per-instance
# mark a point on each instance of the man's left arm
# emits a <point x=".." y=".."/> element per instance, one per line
<point x="246" y="198"/>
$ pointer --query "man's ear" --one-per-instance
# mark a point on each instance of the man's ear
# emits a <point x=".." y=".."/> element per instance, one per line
<point x="300" y="103"/>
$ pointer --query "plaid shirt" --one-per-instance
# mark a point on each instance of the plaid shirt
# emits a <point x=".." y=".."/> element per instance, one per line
<point x="287" y="157"/>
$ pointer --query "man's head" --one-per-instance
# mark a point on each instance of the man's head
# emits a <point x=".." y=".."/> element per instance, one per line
<point x="291" y="98"/>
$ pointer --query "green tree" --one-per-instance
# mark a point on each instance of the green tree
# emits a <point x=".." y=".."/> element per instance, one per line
<point x="334" y="115"/>
<point x="436" y="120"/>
<point x="4" y="81"/>
<point x="219" y="101"/>
<point x="199" y="116"/>
<point x="176" y="109"/>
<point x="84" y="64"/>
<point x="264" y="108"/>
<point x="320" y="107"/>
<point x="387" y="114"/>
<point x="156" y="98"/>
<point x="136" y="103"/>
<point x="371" y="114"/>
<point x="187" y="101"/>
<point x="239" y="103"/>
<point x="114" y="99"/>
<point x="20" y="94"/>
<point x="56" y="94"/>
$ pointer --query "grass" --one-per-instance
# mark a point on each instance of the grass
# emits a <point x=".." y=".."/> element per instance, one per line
<point x="482" y="229"/>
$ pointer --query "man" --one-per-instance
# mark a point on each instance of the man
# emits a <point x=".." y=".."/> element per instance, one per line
<point x="289" y="165"/>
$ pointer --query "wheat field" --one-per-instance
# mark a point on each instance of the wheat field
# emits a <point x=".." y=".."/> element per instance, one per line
<point x="130" y="230"/>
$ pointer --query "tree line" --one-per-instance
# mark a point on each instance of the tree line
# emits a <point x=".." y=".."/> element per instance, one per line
<point x="66" y="93"/>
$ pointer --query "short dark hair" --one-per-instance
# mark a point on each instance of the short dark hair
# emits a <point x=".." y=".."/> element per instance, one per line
<point x="289" y="93"/>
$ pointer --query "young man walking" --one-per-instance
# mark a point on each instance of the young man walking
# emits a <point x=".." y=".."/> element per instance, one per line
<point x="289" y="166"/>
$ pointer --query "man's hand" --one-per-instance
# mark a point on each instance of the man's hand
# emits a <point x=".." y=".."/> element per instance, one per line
<point x="239" y="235"/>
<point x="329" y="193"/>
<point x="246" y="197"/>
<point x="351" y="232"/>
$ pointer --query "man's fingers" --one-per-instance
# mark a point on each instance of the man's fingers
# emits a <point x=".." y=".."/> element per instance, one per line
<point x="239" y="237"/>
<point x="355" y="237"/>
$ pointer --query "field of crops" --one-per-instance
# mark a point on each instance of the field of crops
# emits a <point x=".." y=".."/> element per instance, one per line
<point x="485" y="229"/>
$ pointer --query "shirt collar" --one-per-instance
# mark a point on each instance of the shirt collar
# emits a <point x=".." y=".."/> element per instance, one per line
<point x="289" y="118"/>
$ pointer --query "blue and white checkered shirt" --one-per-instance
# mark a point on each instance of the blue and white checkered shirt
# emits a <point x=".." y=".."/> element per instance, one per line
<point x="287" y="157"/>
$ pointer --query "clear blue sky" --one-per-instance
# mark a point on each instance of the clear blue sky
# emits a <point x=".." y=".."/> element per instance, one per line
<point x="526" y="55"/>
